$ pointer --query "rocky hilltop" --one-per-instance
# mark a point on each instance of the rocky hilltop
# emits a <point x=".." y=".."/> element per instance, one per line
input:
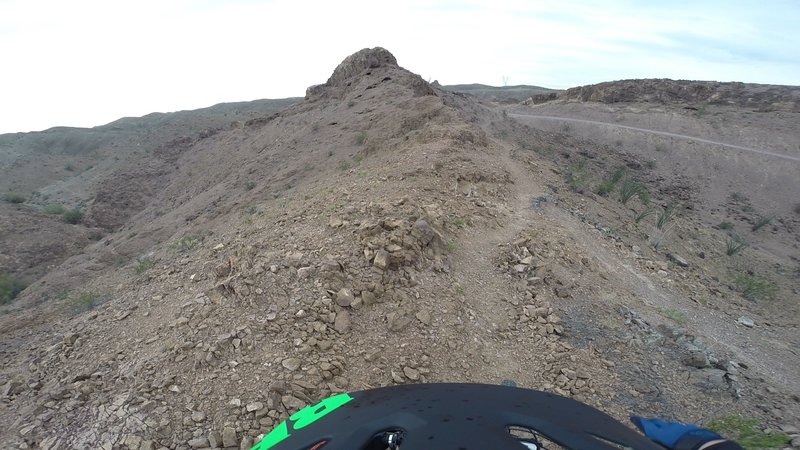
<point x="381" y="231"/>
<point x="760" y="97"/>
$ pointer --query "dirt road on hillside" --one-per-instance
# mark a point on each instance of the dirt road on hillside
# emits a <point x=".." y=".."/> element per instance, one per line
<point x="662" y="133"/>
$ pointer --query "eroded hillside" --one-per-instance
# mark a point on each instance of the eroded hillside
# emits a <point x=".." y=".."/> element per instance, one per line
<point x="381" y="231"/>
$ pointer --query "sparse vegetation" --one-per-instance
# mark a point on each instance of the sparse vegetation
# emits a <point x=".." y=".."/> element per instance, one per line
<point x="10" y="287"/>
<point x="460" y="222"/>
<point x="69" y="167"/>
<point x="629" y="189"/>
<point x="451" y="246"/>
<point x="650" y="164"/>
<point x="675" y="315"/>
<point x="737" y="197"/>
<point x="661" y="148"/>
<point x="725" y="225"/>
<point x="755" y="288"/>
<point x="665" y="216"/>
<point x="744" y="431"/>
<point x="143" y="265"/>
<point x="54" y="209"/>
<point x="734" y="244"/>
<point x="361" y="138"/>
<point x="351" y="103"/>
<point x="577" y="178"/>
<point x="187" y="243"/>
<point x="648" y="211"/>
<point x="344" y="165"/>
<point x="663" y="226"/>
<point x="72" y="216"/>
<point x="249" y="185"/>
<point x="84" y="301"/>
<point x="762" y="222"/>
<point x="12" y="197"/>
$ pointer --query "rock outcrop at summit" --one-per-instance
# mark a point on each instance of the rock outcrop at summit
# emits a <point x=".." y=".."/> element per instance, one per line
<point x="365" y="62"/>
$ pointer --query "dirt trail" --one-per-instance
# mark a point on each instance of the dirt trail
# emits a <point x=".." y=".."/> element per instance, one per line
<point x="486" y="290"/>
<point x="661" y="133"/>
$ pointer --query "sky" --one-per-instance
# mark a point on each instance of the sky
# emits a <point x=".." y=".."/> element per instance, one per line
<point x="87" y="63"/>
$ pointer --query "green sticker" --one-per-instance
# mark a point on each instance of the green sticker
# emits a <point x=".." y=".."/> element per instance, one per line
<point x="302" y="419"/>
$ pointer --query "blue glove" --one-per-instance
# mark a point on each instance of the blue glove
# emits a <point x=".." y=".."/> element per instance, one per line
<point x="674" y="436"/>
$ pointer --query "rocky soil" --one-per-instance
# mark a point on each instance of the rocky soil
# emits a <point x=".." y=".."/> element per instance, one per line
<point x="383" y="231"/>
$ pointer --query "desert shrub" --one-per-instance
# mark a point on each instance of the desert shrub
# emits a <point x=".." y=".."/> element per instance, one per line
<point x="72" y="216"/>
<point x="629" y="189"/>
<point x="187" y="243"/>
<point x="460" y="222"/>
<point x="675" y="315"/>
<point x="12" y="197"/>
<point x="361" y="138"/>
<point x="54" y="209"/>
<point x="604" y="188"/>
<point x="648" y="211"/>
<point x="725" y="225"/>
<point x="577" y="176"/>
<point x="249" y="185"/>
<point x="755" y="288"/>
<point x="84" y="301"/>
<point x="734" y="244"/>
<point x="763" y="221"/>
<point x="143" y="265"/>
<point x="743" y="430"/>
<point x="665" y="217"/>
<point x="69" y="168"/>
<point x="650" y="164"/>
<point x="10" y="286"/>
<point x="737" y="197"/>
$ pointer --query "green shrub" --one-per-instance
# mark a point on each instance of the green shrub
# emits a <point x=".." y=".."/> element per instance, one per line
<point x="665" y="216"/>
<point x="143" y="265"/>
<point x="762" y="221"/>
<point x="725" y="225"/>
<point x="459" y="222"/>
<point x="577" y="176"/>
<point x="72" y="216"/>
<point x="734" y="244"/>
<point x="648" y="211"/>
<point x="187" y="243"/>
<point x="344" y="165"/>
<point x="361" y="138"/>
<point x="628" y="189"/>
<point x="54" y="209"/>
<point x="84" y="301"/>
<point x="12" y="197"/>
<point x="10" y="287"/>
<point x="743" y="430"/>
<point x="675" y="315"/>
<point x="755" y="288"/>
<point x="604" y="188"/>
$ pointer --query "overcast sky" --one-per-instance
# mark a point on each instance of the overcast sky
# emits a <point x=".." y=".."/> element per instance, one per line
<point x="86" y="63"/>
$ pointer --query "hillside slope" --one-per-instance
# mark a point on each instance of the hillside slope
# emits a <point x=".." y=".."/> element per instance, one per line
<point x="381" y="231"/>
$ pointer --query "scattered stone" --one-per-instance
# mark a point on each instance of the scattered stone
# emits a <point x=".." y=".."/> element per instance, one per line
<point x="291" y="364"/>
<point x="342" y="322"/>
<point x="292" y="403"/>
<point x="381" y="260"/>
<point x="424" y="317"/>
<point x="215" y="439"/>
<point x="698" y="359"/>
<point x="247" y="443"/>
<point x="520" y="268"/>
<point x="198" y="416"/>
<point x="746" y="321"/>
<point x="677" y="259"/>
<point x="304" y="272"/>
<point x="344" y="297"/>
<point x="255" y="406"/>
<point x="229" y="437"/>
<point x="411" y="373"/>
<point x="199" y="442"/>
